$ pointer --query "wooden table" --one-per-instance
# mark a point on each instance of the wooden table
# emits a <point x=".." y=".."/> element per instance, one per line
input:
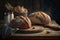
<point x="52" y="35"/>
<point x="47" y="33"/>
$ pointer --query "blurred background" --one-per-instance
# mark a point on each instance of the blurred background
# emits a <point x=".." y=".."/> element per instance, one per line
<point x="49" y="6"/>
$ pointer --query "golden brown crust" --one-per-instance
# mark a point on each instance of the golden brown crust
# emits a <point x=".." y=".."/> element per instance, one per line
<point x="41" y="17"/>
<point x="23" y="24"/>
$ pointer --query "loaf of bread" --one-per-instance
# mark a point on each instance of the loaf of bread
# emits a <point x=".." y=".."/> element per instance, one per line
<point x="20" y="22"/>
<point x="20" y="9"/>
<point x="40" y="17"/>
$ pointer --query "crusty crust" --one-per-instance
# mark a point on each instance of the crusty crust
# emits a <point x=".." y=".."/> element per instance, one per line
<point x="22" y="24"/>
<point x="40" y="17"/>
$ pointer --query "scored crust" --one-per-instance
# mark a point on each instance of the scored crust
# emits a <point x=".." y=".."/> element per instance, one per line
<point x="20" y="22"/>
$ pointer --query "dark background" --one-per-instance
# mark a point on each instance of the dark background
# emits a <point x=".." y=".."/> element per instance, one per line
<point x="49" y="6"/>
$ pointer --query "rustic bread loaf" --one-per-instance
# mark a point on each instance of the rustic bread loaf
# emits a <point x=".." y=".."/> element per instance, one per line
<point x="20" y="22"/>
<point x="40" y="17"/>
